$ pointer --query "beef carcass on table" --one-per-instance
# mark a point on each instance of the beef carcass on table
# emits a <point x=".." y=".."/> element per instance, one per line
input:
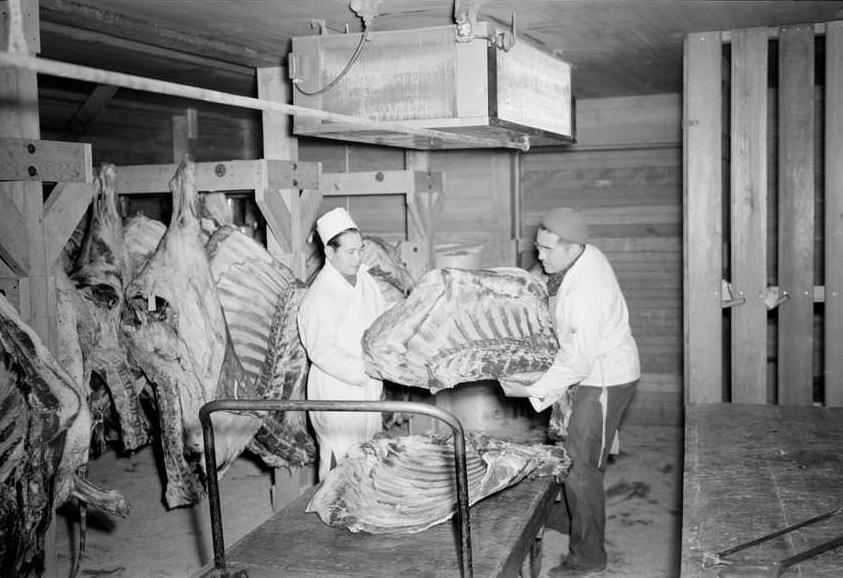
<point x="460" y="326"/>
<point x="407" y="484"/>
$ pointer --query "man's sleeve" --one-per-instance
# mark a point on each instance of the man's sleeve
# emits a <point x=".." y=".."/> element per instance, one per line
<point x="316" y="328"/>
<point x="577" y="354"/>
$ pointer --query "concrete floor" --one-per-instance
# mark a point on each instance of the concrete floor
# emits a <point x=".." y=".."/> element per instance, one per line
<point x="644" y="504"/>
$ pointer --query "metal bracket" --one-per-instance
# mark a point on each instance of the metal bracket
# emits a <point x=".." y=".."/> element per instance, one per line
<point x="774" y="296"/>
<point x="465" y="16"/>
<point x="726" y="295"/>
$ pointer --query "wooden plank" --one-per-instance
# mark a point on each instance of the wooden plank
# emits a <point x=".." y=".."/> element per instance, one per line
<point x="279" y="143"/>
<point x="66" y="206"/>
<point x="13" y="244"/>
<point x="275" y="205"/>
<point x="623" y="121"/>
<point x="293" y="174"/>
<point x="370" y="183"/>
<point x="213" y="176"/>
<point x="796" y="214"/>
<point x="77" y="126"/>
<point x="702" y="192"/>
<point x="749" y="214"/>
<point x="85" y="15"/>
<point x="24" y="159"/>
<point x="833" y="214"/>
<point x="31" y="26"/>
<point x="19" y="119"/>
<point x="278" y="140"/>
<point x="180" y="138"/>
<point x="503" y="528"/>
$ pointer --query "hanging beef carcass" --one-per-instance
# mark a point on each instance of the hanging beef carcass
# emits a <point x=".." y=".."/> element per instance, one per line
<point x="46" y="428"/>
<point x="260" y="298"/>
<point x="141" y="236"/>
<point x="459" y="326"/>
<point x="37" y="404"/>
<point x="385" y="265"/>
<point x="408" y="484"/>
<point x="180" y="339"/>
<point x="100" y="273"/>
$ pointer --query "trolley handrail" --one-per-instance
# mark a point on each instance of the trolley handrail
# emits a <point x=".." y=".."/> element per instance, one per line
<point x="466" y="566"/>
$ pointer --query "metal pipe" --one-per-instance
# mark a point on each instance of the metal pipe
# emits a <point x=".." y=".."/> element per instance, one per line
<point x="466" y="565"/>
<point x="78" y="72"/>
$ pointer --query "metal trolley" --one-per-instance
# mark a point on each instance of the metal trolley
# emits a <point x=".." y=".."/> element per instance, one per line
<point x="220" y="570"/>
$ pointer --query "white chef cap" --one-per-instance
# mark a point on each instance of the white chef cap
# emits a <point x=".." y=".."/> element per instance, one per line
<point x="332" y="223"/>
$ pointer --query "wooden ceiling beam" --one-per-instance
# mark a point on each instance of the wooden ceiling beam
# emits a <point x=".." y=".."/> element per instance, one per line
<point x="85" y="17"/>
<point x="96" y="101"/>
<point x="98" y="38"/>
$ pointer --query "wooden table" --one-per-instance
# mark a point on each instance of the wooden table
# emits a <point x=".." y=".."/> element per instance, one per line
<point x="504" y="530"/>
<point x="753" y="469"/>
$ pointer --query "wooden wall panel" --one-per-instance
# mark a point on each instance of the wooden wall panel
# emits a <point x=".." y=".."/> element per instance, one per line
<point x="477" y="203"/>
<point x="382" y="216"/>
<point x="796" y="215"/>
<point x="833" y="213"/>
<point x="703" y="218"/>
<point x="139" y="130"/>
<point x="749" y="214"/>
<point x="606" y="121"/>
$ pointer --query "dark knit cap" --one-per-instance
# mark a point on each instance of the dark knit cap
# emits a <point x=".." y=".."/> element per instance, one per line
<point x="567" y="224"/>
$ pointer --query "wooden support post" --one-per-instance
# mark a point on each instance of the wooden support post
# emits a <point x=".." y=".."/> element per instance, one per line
<point x="749" y="214"/>
<point x="796" y="215"/>
<point x="833" y="213"/>
<point x="703" y="206"/>
<point x="278" y="142"/>
<point x="77" y="126"/>
<point x="300" y="206"/>
<point x="19" y="118"/>
<point x="424" y="206"/>
<point x="185" y="130"/>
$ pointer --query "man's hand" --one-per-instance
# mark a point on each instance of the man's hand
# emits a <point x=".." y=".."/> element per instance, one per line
<point x="518" y="385"/>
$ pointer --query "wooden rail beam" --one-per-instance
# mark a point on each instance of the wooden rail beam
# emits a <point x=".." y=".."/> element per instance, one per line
<point x="23" y="159"/>
<point x="220" y="176"/>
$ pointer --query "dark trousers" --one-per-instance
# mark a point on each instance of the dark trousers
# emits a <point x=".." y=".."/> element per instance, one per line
<point x="584" y="492"/>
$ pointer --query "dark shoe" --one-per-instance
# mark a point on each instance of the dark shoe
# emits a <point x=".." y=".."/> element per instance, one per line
<point x="569" y="569"/>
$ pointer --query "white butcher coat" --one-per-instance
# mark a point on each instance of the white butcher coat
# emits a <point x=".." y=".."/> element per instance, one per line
<point x="591" y="321"/>
<point x="332" y="318"/>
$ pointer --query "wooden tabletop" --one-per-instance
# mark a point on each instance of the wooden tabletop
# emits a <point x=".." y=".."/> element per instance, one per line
<point x="753" y="469"/>
<point x="294" y="543"/>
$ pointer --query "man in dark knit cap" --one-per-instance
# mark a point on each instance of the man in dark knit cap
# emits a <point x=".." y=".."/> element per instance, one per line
<point x="598" y="362"/>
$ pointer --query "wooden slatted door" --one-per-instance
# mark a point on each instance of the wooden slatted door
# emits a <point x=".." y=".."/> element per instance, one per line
<point x="833" y="214"/>
<point x="703" y="205"/>
<point x="748" y="205"/>
<point x="796" y="209"/>
<point x="779" y="116"/>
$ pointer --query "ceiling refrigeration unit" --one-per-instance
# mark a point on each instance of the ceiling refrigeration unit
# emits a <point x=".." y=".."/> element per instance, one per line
<point x="429" y="78"/>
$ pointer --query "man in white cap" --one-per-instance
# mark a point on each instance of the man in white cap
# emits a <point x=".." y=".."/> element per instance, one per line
<point x="339" y="306"/>
<point x="599" y="356"/>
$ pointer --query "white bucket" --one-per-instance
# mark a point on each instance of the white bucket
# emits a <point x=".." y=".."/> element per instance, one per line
<point x="459" y="256"/>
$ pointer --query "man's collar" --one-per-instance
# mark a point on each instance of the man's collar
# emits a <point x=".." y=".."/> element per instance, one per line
<point x="555" y="280"/>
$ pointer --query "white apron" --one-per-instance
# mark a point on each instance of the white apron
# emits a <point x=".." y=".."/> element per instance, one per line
<point x="332" y="319"/>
